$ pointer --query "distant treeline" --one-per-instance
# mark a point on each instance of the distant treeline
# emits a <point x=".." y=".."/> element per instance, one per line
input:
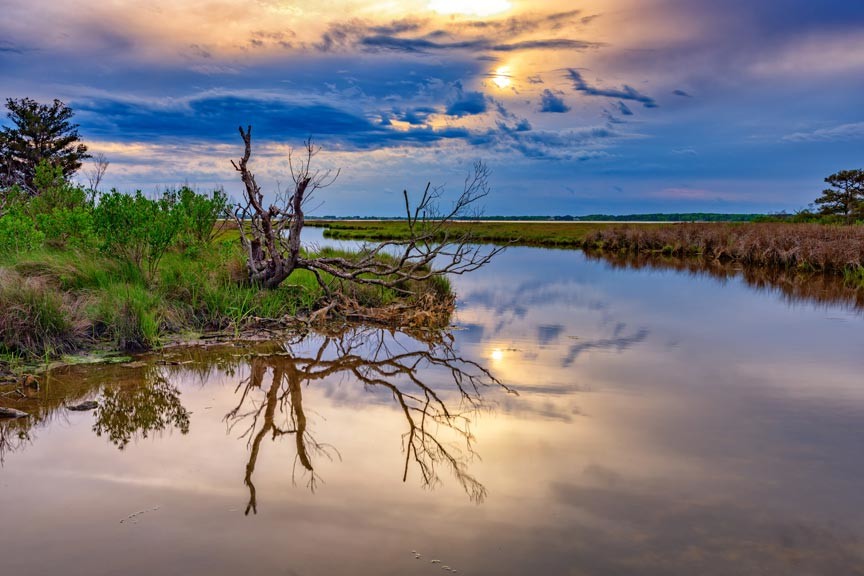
<point x="656" y="217"/>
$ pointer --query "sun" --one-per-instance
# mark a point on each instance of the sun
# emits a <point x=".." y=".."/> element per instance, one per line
<point x="501" y="77"/>
<point x="470" y="7"/>
<point x="497" y="354"/>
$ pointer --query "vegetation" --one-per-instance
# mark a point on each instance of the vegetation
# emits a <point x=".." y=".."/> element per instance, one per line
<point x="553" y="234"/>
<point x="80" y="269"/>
<point x="845" y="197"/>
<point x="806" y="247"/>
<point x="40" y="133"/>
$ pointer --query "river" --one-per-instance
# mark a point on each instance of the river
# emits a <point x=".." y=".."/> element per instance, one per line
<point x="583" y="417"/>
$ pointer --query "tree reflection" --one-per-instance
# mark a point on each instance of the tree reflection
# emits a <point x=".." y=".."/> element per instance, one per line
<point x="431" y="405"/>
<point x="125" y="414"/>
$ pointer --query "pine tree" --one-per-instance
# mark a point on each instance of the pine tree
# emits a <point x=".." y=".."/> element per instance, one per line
<point x="846" y="195"/>
<point x="41" y="132"/>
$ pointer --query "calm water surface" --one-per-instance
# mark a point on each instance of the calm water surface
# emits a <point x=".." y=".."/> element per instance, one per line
<point x="580" y="419"/>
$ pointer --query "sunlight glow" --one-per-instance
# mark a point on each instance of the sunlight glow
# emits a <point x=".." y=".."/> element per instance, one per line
<point x="497" y="355"/>
<point x="501" y="77"/>
<point x="472" y="7"/>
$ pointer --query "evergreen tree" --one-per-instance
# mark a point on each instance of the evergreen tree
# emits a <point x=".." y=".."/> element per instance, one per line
<point x="40" y="132"/>
<point x="846" y="195"/>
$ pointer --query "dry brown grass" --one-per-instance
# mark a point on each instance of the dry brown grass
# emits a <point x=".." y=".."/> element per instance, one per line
<point x="812" y="247"/>
<point x="36" y="319"/>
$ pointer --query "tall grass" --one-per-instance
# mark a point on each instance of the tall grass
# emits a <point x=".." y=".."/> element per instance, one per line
<point x="808" y="247"/>
<point x="36" y="319"/>
<point x="59" y="301"/>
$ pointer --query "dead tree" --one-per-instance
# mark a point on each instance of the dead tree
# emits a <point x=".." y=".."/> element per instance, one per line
<point x="96" y="173"/>
<point x="270" y="235"/>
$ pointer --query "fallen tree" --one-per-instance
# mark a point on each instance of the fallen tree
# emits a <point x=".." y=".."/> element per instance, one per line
<point x="270" y="234"/>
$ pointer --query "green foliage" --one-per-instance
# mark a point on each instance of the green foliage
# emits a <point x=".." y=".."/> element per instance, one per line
<point x="58" y="214"/>
<point x="136" y="228"/>
<point x="39" y="133"/>
<point x="18" y="233"/>
<point x="201" y="215"/>
<point x="845" y="198"/>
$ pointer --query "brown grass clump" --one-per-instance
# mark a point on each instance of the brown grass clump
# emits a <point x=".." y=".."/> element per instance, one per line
<point x="36" y="319"/>
<point x="811" y="247"/>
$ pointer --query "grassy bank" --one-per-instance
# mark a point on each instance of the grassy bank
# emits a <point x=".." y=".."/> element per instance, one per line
<point x="55" y="302"/>
<point x="553" y="234"/>
<point x="836" y="250"/>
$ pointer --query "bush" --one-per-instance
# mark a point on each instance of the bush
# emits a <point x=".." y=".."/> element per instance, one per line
<point x="200" y="214"/>
<point x="136" y="228"/>
<point x="18" y="233"/>
<point x="62" y="211"/>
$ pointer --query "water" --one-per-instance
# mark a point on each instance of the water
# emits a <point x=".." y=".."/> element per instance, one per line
<point x="632" y="421"/>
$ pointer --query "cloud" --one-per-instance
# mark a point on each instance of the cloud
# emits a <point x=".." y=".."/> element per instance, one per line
<point x="421" y="45"/>
<point x="624" y="93"/>
<point x="549" y="102"/>
<point x="215" y="117"/>
<point x="467" y="103"/>
<point x="624" y="109"/>
<point x="681" y="93"/>
<point x="853" y="130"/>
<point x="6" y="47"/>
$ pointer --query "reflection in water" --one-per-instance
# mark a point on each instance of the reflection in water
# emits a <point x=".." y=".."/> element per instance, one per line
<point x="793" y="285"/>
<point x="435" y="390"/>
<point x="653" y="434"/>
<point x="379" y="360"/>
<point x="128" y="413"/>
<point x="14" y="435"/>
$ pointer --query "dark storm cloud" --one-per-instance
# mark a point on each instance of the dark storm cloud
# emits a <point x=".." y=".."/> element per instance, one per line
<point x="215" y="118"/>
<point x="467" y="103"/>
<point x="624" y="109"/>
<point x="415" y="116"/>
<point x="549" y="102"/>
<point x="624" y="93"/>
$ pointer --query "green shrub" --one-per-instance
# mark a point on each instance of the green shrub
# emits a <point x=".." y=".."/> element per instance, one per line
<point x="200" y="214"/>
<point x="61" y="210"/>
<point x="137" y="229"/>
<point x="17" y="232"/>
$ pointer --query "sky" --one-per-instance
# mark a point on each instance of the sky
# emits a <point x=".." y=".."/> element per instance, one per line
<point x="598" y="106"/>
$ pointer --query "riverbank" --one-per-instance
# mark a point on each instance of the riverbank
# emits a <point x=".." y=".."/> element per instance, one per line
<point x="808" y="248"/>
<point x="551" y="234"/>
<point x="64" y="301"/>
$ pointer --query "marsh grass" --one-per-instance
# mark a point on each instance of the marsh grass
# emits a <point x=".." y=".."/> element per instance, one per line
<point x="553" y="234"/>
<point x="806" y="247"/>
